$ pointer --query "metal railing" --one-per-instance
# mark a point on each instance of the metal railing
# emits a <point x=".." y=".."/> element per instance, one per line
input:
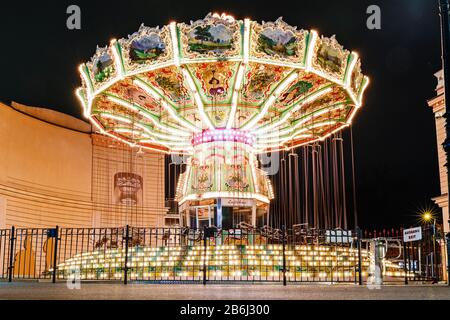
<point x="178" y="255"/>
<point x="5" y="253"/>
<point x="419" y="261"/>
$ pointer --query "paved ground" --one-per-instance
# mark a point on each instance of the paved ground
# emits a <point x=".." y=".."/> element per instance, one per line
<point x="98" y="291"/>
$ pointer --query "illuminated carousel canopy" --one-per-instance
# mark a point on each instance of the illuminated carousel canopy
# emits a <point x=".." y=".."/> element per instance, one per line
<point x="222" y="91"/>
<point x="266" y="86"/>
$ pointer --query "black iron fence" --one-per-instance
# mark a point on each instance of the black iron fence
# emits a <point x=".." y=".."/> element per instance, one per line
<point x="424" y="260"/>
<point x="5" y="249"/>
<point x="166" y="255"/>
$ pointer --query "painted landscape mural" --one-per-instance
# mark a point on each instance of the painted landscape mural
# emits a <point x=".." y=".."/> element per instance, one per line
<point x="103" y="67"/>
<point x="329" y="59"/>
<point x="212" y="38"/>
<point x="147" y="48"/>
<point x="278" y="42"/>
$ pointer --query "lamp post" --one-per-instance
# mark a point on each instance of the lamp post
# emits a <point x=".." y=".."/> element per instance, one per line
<point x="434" y="261"/>
<point x="428" y="217"/>
<point x="445" y="39"/>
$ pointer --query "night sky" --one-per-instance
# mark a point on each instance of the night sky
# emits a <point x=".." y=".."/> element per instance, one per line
<point x="395" y="143"/>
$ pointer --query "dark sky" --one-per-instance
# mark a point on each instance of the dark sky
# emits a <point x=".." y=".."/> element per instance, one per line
<point x="395" y="140"/>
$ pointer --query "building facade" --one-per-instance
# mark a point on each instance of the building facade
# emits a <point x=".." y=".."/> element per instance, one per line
<point x="438" y="106"/>
<point x="55" y="171"/>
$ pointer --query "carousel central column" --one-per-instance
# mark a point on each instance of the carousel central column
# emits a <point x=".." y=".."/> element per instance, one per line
<point x="223" y="173"/>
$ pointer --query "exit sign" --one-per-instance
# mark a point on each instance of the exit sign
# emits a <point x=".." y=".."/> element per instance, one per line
<point x="411" y="235"/>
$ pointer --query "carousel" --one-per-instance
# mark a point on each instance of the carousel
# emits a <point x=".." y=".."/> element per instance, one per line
<point x="219" y="93"/>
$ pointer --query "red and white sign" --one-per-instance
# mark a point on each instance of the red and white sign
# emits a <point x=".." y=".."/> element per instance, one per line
<point x="411" y="235"/>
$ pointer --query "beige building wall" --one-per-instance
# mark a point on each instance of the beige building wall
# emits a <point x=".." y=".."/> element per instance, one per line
<point x="110" y="158"/>
<point x="438" y="106"/>
<point x="49" y="176"/>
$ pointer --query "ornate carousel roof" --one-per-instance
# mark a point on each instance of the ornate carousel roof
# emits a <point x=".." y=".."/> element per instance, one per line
<point x="270" y="84"/>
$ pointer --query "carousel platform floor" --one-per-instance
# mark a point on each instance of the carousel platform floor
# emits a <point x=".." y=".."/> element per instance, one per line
<point x="109" y="291"/>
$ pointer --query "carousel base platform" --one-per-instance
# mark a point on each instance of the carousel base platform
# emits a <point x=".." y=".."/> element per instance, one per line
<point x="307" y="263"/>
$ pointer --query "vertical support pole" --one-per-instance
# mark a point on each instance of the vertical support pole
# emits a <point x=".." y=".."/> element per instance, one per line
<point x="187" y="215"/>
<point x="12" y="241"/>
<point x="197" y="221"/>
<point x="127" y="239"/>
<point x="419" y="257"/>
<point x="435" y="261"/>
<point x="414" y="261"/>
<point x="219" y="221"/>
<point x="443" y="256"/>
<point x="205" y="245"/>
<point x="210" y="217"/>
<point x="55" y="254"/>
<point x="355" y="202"/>
<point x="405" y="262"/>
<point x="254" y="212"/>
<point x="283" y="239"/>
<point x="359" y="234"/>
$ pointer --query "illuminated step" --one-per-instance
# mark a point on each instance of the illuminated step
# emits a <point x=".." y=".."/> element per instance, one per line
<point x="222" y="261"/>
